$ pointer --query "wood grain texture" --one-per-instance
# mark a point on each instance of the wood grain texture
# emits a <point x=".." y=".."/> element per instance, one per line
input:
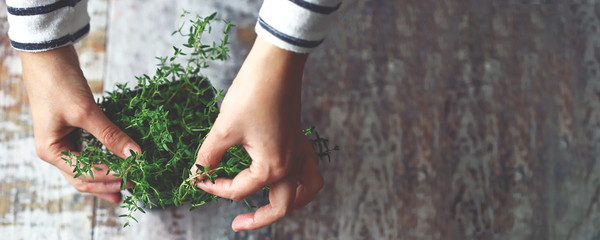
<point x="456" y="120"/>
<point x="35" y="200"/>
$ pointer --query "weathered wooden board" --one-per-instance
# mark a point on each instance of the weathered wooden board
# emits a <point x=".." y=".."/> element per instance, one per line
<point x="460" y="120"/>
<point x="35" y="200"/>
<point x="456" y="119"/>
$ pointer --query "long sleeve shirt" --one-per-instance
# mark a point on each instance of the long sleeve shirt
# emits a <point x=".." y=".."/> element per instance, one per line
<point x="40" y="25"/>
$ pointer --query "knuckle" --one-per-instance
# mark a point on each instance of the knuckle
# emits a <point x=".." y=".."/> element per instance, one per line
<point x="220" y="133"/>
<point x="41" y="152"/>
<point x="110" y="135"/>
<point x="82" y="112"/>
<point x="268" y="173"/>
<point x="81" y="186"/>
<point x="259" y="177"/>
<point x="278" y="171"/>
<point x="51" y="153"/>
<point x="204" y="158"/>
<point x="236" y="197"/>
<point x="282" y="212"/>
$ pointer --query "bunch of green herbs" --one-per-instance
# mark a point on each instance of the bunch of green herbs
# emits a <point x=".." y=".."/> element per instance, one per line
<point x="169" y="115"/>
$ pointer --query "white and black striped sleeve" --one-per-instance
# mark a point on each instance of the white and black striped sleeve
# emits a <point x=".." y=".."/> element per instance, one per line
<point x="40" y="25"/>
<point x="295" y="25"/>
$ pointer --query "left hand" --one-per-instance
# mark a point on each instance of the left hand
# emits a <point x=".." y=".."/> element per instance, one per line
<point x="261" y="111"/>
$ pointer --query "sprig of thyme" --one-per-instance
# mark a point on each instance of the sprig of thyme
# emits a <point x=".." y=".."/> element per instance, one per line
<point x="169" y="115"/>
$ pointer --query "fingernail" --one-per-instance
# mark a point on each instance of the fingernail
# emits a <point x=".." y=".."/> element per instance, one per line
<point x="235" y="226"/>
<point x="200" y="182"/>
<point x="130" y="147"/>
<point x="204" y="183"/>
<point x="240" y="225"/>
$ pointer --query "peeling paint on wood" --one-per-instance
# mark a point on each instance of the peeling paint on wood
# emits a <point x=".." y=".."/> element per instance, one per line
<point x="456" y="120"/>
<point x="35" y="200"/>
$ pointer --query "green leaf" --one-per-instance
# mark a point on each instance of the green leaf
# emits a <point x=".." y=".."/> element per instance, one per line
<point x="211" y="17"/>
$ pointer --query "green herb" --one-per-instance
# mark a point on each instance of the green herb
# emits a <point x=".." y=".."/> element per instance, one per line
<point x="168" y="115"/>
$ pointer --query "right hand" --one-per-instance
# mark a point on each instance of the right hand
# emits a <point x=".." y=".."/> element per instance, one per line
<point x="61" y="102"/>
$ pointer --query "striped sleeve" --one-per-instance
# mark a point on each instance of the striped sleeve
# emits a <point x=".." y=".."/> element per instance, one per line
<point x="295" y="25"/>
<point x="40" y="25"/>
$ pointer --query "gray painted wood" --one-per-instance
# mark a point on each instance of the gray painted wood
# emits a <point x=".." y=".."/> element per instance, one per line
<point x="456" y="119"/>
<point x="35" y="200"/>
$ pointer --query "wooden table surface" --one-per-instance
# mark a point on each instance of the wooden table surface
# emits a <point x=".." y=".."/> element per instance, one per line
<point x="456" y="120"/>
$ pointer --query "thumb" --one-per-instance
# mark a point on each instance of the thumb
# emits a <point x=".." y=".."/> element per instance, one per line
<point x="109" y="134"/>
<point x="212" y="149"/>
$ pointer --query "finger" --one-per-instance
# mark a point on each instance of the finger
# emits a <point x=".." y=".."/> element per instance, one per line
<point x="281" y="198"/>
<point x="244" y="184"/>
<point x="93" y="187"/>
<point x="110" y="197"/>
<point x="108" y="133"/>
<point x="214" y="146"/>
<point x="310" y="183"/>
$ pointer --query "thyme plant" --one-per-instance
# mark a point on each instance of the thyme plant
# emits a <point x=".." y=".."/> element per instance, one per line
<point x="168" y="115"/>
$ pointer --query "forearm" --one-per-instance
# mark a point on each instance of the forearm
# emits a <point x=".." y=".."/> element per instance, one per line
<point x="61" y="61"/>
<point x="63" y="55"/>
<point x="275" y="62"/>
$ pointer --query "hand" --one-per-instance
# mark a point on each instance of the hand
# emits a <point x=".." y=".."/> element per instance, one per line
<point x="261" y="111"/>
<point x="61" y="102"/>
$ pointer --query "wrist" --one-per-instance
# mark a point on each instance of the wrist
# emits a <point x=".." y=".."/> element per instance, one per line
<point x="272" y="78"/>
<point x="268" y="65"/>
<point x="277" y="60"/>
<point x="48" y="72"/>
<point x="53" y="65"/>
<point x="56" y="57"/>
